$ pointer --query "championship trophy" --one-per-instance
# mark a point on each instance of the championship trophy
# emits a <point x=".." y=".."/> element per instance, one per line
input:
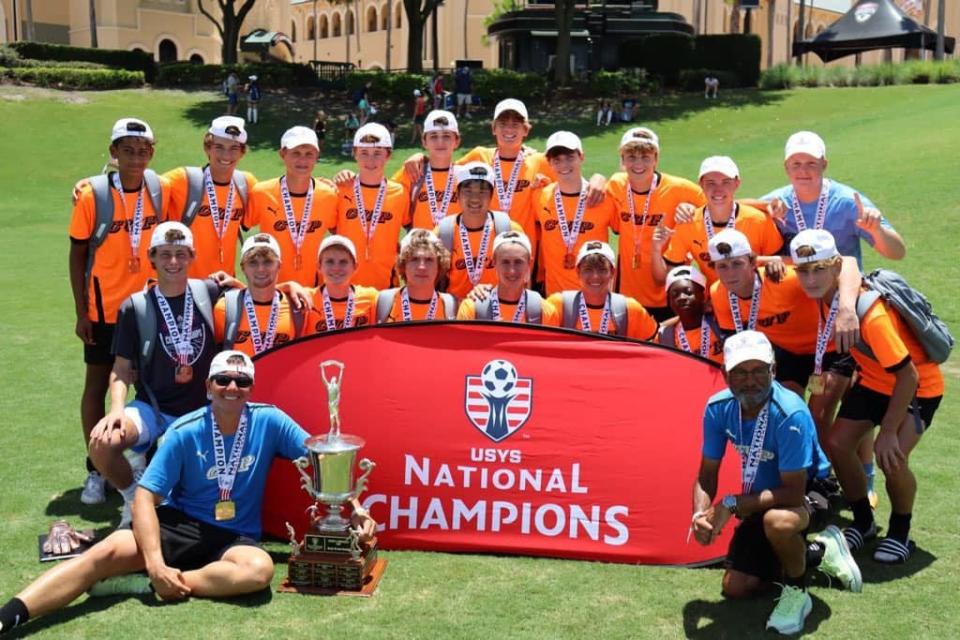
<point x="332" y="558"/>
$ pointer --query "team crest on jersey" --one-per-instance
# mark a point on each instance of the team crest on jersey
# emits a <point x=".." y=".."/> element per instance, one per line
<point x="865" y="11"/>
<point x="498" y="401"/>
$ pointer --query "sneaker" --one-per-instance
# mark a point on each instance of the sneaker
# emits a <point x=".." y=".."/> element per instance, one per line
<point x="132" y="583"/>
<point x="793" y="607"/>
<point x="837" y="561"/>
<point x="856" y="538"/>
<point x="94" y="489"/>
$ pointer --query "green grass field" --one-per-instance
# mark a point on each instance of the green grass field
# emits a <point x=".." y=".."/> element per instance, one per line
<point x="891" y="143"/>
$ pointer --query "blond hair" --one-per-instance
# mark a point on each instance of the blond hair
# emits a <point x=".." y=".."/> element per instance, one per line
<point x="422" y="239"/>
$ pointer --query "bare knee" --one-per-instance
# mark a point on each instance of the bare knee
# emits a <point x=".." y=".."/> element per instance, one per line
<point x="738" y="585"/>
<point x="780" y="524"/>
<point x="255" y="563"/>
<point x="261" y="572"/>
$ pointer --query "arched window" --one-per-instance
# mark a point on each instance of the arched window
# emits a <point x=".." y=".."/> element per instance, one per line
<point x="371" y="19"/>
<point x="398" y="16"/>
<point x="336" y="25"/>
<point x="293" y="31"/>
<point x="350" y="23"/>
<point x="196" y="58"/>
<point x="311" y="29"/>
<point x="167" y="51"/>
<point x="324" y="27"/>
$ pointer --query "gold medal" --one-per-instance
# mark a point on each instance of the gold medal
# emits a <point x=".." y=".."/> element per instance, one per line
<point x="225" y="510"/>
<point x="569" y="261"/>
<point x="183" y="374"/>
<point x="134" y="264"/>
<point x="815" y="385"/>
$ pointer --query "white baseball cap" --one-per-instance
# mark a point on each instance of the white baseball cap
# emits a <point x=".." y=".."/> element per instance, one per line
<point x="595" y="247"/>
<point x="131" y="127"/>
<point x="685" y="272"/>
<point x="258" y="240"/>
<point x="439" y="120"/>
<point x="230" y="127"/>
<point x="805" y="142"/>
<point x="159" y="237"/>
<point x="473" y="171"/>
<point x="296" y="136"/>
<point x="729" y="243"/>
<point x="511" y="104"/>
<point x="640" y="134"/>
<point x="512" y="237"/>
<point x="820" y="240"/>
<point x="373" y="130"/>
<point x="253" y="77"/>
<point x="744" y="346"/>
<point x="221" y="364"/>
<point x="564" y="140"/>
<point x="338" y="241"/>
<point x="719" y="164"/>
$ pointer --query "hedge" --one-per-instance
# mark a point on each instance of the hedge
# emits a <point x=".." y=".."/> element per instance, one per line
<point x="609" y="84"/>
<point x="393" y="86"/>
<point x="736" y="53"/>
<point x="117" y="58"/>
<point x="68" y="78"/>
<point x="784" y="76"/>
<point x="663" y="56"/>
<point x="493" y="85"/>
<point x="276" y="75"/>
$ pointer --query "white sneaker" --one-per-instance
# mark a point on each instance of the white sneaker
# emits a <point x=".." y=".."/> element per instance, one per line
<point x="94" y="489"/>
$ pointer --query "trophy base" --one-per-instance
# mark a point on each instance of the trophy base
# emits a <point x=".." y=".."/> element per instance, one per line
<point x="370" y="584"/>
<point x="326" y="566"/>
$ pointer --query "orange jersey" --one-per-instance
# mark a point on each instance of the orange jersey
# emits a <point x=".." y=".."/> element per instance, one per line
<point x="524" y="191"/>
<point x="548" y="313"/>
<point x="691" y="239"/>
<point x="714" y="349"/>
<point x="561" y="275"/>
<point x="265" y="210"/>
<point x="787" y="316"/>
<point x="421" y="216"/>
<point x="419" y="309"/>
<point x="459" y="281"/>
<point x="364" y="310"/>
<point x="893" y="343"/>
<point x="639" y="283"/>
<point x="111" y="278"/>
<point x="375" y="263"/>
<point x="285" y="332"/>
<point x="640" y="324"/>
<point x="207" y="243"/>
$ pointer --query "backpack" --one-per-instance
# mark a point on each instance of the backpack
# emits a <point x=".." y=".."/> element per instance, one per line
<point x="534" y="308"/>
<point x="501" y="224"/>
<point x="668" y="335"/>
<point x="103" y="210"/>
<point x="233" y="308"/>
<point x="618" y="309"/>
<point x="911" y="305"/>
<point x="196" y="193"/>
<point x="386" y="298"/>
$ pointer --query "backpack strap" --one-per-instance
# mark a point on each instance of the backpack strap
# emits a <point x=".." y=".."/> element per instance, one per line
<point x="501" y="222"/>
<point x="534" y="307"/>
<point x="194" y="195"/>
<point x="571" y="300"/>
<point x="865" y="300"/>
<point x="618" y="309"/>
<point x="155" y="190"/>
<point x="668" y="334"/>
<point x="385" y="301"/>
<point x="449" y="306"/>
<point x="445" y="231"/>
<point x="146" y="318"/>
<point x="103" y="220"/>
<point x="240" y="184"/>
<point x="201" y="300"/>
<point x="233" y="312"/>
<point x="482" y="309"/>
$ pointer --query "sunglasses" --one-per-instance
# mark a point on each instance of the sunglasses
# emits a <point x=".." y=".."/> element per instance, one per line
<point x="242" y="382"/>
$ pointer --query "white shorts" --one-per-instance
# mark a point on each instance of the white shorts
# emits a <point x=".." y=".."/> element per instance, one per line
<point x="149" y="427"/>
<point x="464" y="98"/>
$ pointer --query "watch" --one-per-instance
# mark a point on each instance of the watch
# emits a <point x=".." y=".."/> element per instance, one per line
<point x="730" y="503"/>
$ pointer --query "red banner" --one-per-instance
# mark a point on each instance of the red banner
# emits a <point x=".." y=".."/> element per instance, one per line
<point x="508" y="439"/>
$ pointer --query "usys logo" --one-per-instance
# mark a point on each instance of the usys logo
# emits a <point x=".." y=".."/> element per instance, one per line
<point x="865" y="11"/>
<point x="498" y="401"/>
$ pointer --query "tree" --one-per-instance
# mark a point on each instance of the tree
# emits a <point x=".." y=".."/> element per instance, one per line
<point x="93" y="24"/>
<point x="418" y="11"/>
<point x="230" y="24"/>
<point x="564" y="11"/>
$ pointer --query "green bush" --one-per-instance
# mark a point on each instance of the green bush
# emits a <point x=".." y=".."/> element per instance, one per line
<point x="613" y="83"/>
<point x="116" y="58"/>
<point x="81" y="79"/>
<point x="493" y="85"/>
<point x="947" y="72"/>
<point x="187" y="74"/>
<point x="692" y="79"/>
<point x="8" y="56"/>
<point x="783" y="76"/>
<point x="664" y="56"/>
<point x="393" y="86"/>
<point x="736" y="53"/>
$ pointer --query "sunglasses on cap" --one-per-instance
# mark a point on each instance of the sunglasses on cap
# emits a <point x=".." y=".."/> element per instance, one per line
<point x="223" y="380"/>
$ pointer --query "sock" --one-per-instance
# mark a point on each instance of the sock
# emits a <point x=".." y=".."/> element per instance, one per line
<point x="249" y="113"/>
<point x="815" y="552"/>
<point x="799" y="582"/>
<point x="90" y="466"/>
<point x="900" y="526"/>
<point x="871" y="474"/>
<point x="255" y="115"/>
<point x="129" y="492"/>
<point x="862" y="514"/>
<point x="12" y="614"/>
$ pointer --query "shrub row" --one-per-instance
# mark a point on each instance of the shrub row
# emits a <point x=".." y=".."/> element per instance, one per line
<point x="492" y="85"/>
<point x="72" y="78"/>
<point x="393" y="86"/>
<point x="668" y="56"/>
<point x="116" y="58"/>
<point x="276" y="75"/>
<point x="783" y="76"/>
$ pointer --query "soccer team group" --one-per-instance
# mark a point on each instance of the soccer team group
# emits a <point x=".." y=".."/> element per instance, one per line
<point x="770" y="288"/>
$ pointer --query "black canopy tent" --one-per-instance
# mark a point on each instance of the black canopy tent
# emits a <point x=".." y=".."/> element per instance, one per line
<point x="871" y="24"/>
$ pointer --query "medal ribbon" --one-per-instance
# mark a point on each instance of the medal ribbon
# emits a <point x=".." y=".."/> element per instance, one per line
<point x="754" y="307"/>
<point x="262" y="343"/>
<point x="519" y="313"/>
<point x="297" y="232"/>
<point x="823" y="334"/>
<point x="369" y="228"/>
<point x="227" y="470"/>
<point x="437" y="213"/>
<point x="821" y="208"/>
<point x="638" y="228"/>
<point x="570" y="232"/>
<point x="475" y="265"/>
<point x="406" y="310"/>
<point x="328" y="315"/>
<point x="505" y="192"/>
<point x="136" y="229"/>
<point x="704" y="338"/>
<point x="708" y="221"/>
<point x="219" y="224"/>
<point x="751" y="462"/>
<point x="179" y="335"/>
<point x="585" y="316"/>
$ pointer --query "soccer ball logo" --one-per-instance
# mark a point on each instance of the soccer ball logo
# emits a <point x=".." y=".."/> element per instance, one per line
<point x="498" y="401"/>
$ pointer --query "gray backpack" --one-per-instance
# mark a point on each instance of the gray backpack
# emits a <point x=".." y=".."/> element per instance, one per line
<point x="386" y="298"/>
<point x="233" y="307"/>
<point x="932" y="333"/>
<point x="195" y="192"/>
<point x="447" y="227"/>
<point x="618" y="309"/>
<point x="534" y="308"/>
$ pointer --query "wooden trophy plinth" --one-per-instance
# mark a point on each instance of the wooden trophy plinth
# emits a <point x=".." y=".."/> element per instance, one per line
<point x="334" y="563"/>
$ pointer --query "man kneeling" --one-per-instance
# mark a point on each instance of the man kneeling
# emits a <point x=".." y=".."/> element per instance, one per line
<point x="202" y="539"/>
<point x="773" y="431"/>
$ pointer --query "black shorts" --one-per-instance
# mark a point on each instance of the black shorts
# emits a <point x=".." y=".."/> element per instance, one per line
<point x="189" y="544"/>
<point x="660" y="314"/>
<point x="861" y="403"/>
<point x="750" y="551"/>
<point x="798" y="367"/>
<point x="100" y="351"/>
